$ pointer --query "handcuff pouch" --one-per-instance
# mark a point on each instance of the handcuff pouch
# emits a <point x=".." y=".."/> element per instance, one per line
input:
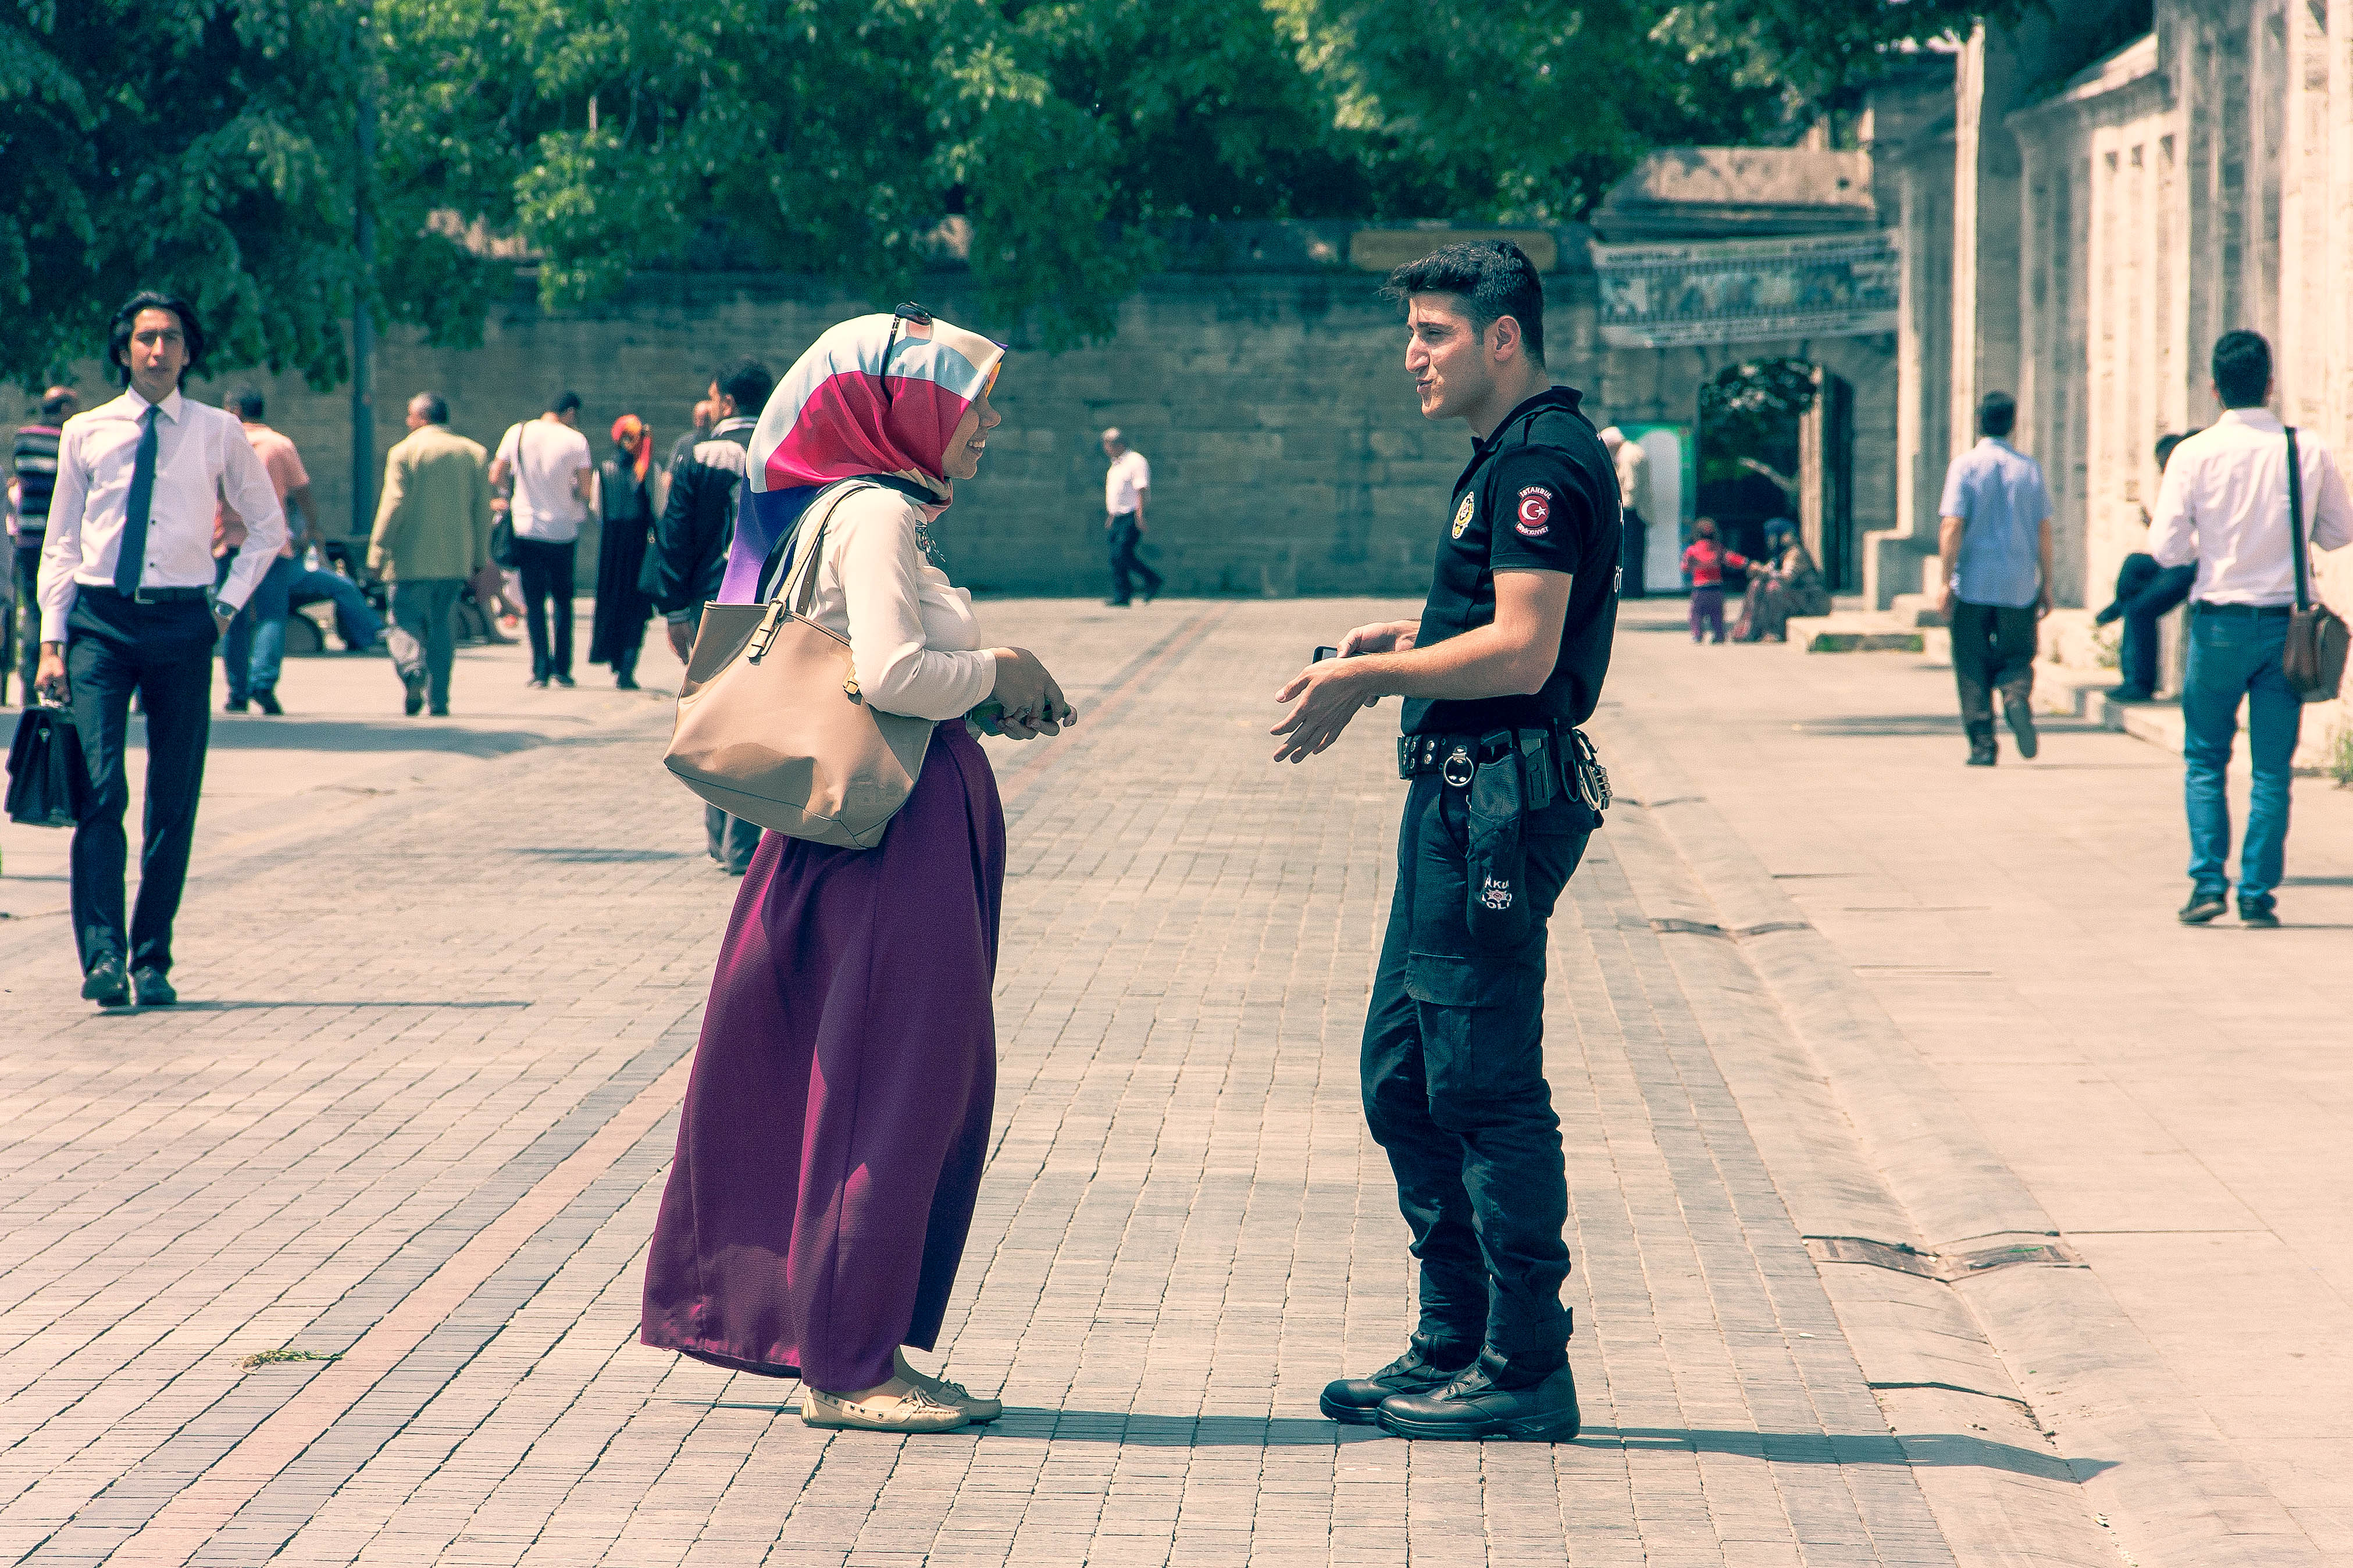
<point x="1497" y="907"/>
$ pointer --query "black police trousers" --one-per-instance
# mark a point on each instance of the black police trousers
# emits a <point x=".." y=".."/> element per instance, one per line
<point x="1455" y="1093"/>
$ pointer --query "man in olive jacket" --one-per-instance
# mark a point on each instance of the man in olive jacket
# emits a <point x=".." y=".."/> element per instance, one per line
<point x="432" y="536"/>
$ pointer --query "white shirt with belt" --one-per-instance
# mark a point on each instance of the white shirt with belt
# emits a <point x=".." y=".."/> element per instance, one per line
<point x="2224" y="504"/>
<point x="200" y="454"/>
<point x="1125" y="481"/>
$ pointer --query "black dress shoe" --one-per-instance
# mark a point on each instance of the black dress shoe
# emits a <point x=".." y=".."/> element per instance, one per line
<point x="2203" y="907"/>
<point x="105" y="984"/>
<point x="151" y="989"/>
<point x="235" y="705"/>
<point x="267" y="702"/>
<point x="564" y="680"/>
<point x="2022" y="724"/>
<point x="1982" y="748"/>
<point x="1471" y="1407"/>
<point x="1357" y="1400"/>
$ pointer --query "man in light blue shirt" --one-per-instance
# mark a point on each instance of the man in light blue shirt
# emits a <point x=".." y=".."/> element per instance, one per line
<point x="1994" y="542"/>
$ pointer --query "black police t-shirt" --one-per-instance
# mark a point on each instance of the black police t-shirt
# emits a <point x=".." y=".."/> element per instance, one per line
<point x="1540" y="495"/>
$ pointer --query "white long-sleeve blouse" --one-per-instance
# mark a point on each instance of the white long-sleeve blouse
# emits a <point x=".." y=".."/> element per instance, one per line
<point x="913" y="639"/>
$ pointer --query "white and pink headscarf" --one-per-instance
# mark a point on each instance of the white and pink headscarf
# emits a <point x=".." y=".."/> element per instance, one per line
<point x="876" y="394"/>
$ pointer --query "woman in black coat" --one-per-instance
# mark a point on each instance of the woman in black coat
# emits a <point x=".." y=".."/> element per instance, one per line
<point x="624" y="484"/>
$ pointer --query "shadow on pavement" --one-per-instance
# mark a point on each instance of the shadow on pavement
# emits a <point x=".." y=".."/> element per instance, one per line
<point x="186" y="1005"/>
<point x="363" y="735"/>
<point x="605" y="856"/>
<point x="1942" y="1450"/>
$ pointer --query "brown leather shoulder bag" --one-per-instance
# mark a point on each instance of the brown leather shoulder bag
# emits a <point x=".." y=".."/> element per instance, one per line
<point x="2314" y="659"/>
<point x="772" y="728"/>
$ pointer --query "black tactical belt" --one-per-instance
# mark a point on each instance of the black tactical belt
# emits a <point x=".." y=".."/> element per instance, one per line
<point x="1562" y="762"/>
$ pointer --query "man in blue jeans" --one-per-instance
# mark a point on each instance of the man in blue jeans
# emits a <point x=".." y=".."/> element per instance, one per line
<point x="2225" y="505"/>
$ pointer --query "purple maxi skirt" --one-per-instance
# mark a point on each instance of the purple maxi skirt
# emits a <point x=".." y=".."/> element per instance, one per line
<point x="831" y="1142"/>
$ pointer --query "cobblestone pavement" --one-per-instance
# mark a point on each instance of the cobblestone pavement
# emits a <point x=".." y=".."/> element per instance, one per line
<point x="416" y="1112"/>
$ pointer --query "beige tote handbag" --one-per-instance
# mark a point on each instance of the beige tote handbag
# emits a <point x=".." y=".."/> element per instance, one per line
<point x="771" y="727"/>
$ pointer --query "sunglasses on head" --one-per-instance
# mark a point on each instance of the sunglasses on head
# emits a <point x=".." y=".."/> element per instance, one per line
<point x="908" y="311"/>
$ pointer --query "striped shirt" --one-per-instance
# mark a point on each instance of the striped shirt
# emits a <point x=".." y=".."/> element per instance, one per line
<point x="37" y="475"/>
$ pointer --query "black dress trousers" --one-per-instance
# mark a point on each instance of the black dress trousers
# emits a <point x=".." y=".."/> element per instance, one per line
<point x="1455" y="1093"/>
<point x="115" y="646"/>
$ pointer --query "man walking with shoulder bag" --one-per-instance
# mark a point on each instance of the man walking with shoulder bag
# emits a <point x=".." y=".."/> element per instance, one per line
<point x="2244" y="500"/>
<point x="554" y="480"/>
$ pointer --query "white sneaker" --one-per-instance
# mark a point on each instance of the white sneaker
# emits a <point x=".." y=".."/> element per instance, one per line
<point x="913" y="1411"/>
<point x="975" y="1408"/>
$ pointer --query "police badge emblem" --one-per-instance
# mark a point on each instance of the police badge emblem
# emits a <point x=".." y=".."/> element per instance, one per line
<point x="1462" y="516"/>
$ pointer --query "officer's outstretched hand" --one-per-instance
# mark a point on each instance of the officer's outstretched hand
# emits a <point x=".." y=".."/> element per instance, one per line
<point x="1329" y="694"/>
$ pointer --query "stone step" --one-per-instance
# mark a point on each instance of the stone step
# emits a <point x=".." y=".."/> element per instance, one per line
<point x="1915" y="610"/>
<point x="2072" y="691"/>
<point x="1866" y="631"/>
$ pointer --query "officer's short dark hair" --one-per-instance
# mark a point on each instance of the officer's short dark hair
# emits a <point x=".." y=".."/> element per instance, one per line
<point x="563" y="402"/>
<point x="57" y="402"/>
<point x="747" y="381"/>
<point x="118" y="333"/>
<point x="433" y="405"/>
<point x="1494" y="278"/>
<point x="1996" y="413"/>
<point x="249" y="404"/>
<point x="2243" y="369"/>
<point x="2166" y="443"/>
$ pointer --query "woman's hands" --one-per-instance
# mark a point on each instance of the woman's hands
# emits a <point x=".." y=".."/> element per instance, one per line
<point x="1034" y="704"/>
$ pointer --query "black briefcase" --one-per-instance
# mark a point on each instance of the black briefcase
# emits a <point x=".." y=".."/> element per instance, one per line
<point x="47" y="784"/>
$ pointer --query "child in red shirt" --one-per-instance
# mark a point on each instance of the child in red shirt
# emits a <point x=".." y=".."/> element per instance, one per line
<point x="1703" y="562"/>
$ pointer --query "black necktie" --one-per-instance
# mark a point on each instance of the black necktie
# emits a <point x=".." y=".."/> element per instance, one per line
<point x="133" y="554"/>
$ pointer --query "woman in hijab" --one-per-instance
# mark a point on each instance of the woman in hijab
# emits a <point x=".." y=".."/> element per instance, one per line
<point x="624" y="486"/>
<point x="831" y="1142"/>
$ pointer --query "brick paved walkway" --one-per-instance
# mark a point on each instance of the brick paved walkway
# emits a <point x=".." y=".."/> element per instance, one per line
<point x="418" y="1111"/>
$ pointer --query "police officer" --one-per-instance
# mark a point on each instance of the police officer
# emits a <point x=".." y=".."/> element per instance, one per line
<point x="1506" y="659"/>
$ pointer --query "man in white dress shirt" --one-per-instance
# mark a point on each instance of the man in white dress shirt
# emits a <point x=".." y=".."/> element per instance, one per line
<point x="1127" y="485"/>
<point x="128" y="605"/>
<point x="2225" y="505"/>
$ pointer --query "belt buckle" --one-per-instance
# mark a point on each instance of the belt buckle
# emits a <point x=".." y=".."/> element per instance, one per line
<point x="1458" y="767"/>
<point x="139" y="595"/>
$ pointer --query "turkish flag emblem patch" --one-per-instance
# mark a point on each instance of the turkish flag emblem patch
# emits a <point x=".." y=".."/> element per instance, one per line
<point x="1536" y="512"/>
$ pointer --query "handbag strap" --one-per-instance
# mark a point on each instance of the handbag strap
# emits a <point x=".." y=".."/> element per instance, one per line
<point x="2296" y="524"/>
<point x="799" y="589"/>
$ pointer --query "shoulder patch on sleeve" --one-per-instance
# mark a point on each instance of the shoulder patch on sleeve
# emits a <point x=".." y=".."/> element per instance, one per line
<point x="1533" y="517"/>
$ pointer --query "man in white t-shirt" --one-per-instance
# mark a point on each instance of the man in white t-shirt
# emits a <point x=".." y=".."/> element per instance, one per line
<point x="545" y="466"/>
<point x="1127" y="485"/>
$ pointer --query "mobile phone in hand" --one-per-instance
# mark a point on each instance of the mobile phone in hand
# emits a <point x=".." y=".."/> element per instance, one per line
<point x="1323" y="653"/>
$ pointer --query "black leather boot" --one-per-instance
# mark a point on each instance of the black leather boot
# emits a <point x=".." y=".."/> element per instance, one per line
<point x="1981" y="751"/>
<point x="1357" y="1400"/>
<point x="1471" y="1407"/>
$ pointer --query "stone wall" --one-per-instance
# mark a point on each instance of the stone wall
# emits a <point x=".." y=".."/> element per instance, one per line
<point x="1288" y="454"/>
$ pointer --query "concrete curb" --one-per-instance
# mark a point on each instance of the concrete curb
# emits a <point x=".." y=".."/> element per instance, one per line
<point x="2152" y="1460"/>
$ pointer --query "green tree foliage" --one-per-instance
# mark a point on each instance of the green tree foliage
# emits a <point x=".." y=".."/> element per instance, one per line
<point x="1516" y="109"/>
<point x="1811" y="50"/>
<point x="198" y="145"/>
<point x="207" y="144"/>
